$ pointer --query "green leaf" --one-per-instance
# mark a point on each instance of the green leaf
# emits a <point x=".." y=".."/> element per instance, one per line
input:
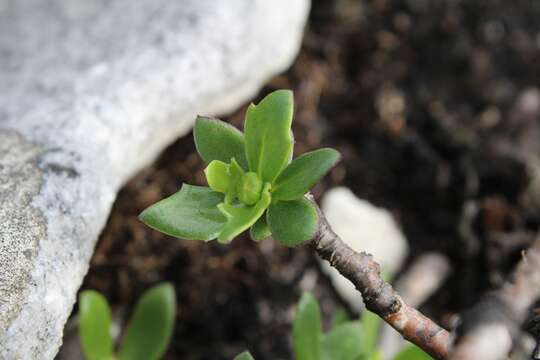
<point x="260" y="229"/>
<point x="292" y="222"/>
<point x="244" y="356"/>
<point x="217" y="140"/>
<point x="343" y="342"/>
<point x="150" y="329"/>
<point x="377" y="355"/>
<point x="190" y="214"/>
<point x="217" y="176"/>
<point x="269" y="140"/>
<point x="240" y="217"/>
<point x="307" y="329"/>
<point x="371" y="324"/>
<point x="302" y="173"/>
<point x="95" y="324"/>
<point x="235" y="175"/>
<point x="412" y="352"/>
<point x="340" y="317"/>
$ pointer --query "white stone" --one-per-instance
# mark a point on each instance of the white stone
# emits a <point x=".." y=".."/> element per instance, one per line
<point x="90" y="92"/>
<point x="365" y="228"/>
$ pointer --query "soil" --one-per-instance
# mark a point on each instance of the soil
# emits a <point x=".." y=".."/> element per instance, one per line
<point x="434" y="108"/>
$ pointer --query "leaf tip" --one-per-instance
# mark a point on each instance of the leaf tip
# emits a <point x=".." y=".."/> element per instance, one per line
<point x="337" y="157"/>
<point x="200" y="120"/>
<point x="143" y="215"/>
<point x="148" y="216"/>
<point x="167" y="288"/>
<point x="285" y="92"/>
<point x="168" y="293"/>
<point x="305" y="299"/>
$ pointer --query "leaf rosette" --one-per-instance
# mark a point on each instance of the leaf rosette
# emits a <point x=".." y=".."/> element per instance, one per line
<point x="253" y="181"/>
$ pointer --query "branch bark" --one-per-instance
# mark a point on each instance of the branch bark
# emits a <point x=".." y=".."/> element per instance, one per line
<point x="425" y="276"/>
<point x="489" y="328"/>
<point x="379" y="296"/>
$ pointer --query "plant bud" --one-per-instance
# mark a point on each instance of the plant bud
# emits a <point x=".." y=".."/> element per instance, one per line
<point x="249" y="188"/>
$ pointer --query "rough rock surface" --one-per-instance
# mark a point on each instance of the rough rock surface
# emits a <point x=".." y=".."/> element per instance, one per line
<point x="90" y="92"/>
<point x="363" y="227"/>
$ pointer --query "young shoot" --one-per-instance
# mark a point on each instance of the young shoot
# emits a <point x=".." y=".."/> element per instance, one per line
<point x="253" y="184"/>
<point x="346" y="340"/>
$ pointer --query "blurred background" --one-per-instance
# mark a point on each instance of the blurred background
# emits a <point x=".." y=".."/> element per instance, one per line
<point x="435" y="107"/>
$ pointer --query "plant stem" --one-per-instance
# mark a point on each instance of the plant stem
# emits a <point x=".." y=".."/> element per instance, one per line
<point x="379" y="296"/>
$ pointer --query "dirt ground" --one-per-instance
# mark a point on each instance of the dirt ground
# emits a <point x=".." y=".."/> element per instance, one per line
<point x="434" y="108"/>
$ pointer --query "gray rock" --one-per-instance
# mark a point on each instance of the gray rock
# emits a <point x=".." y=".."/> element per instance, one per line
<point x="90" y="92"/>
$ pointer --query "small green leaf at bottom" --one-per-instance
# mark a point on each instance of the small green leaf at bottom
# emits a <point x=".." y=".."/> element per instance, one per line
<point x="307" y="329"/>
<point x="94" y="328"/>
<point x="292" y="222"/>
<point x="260" y="230"/>
<point x="377" y="355"/>
<point x="190" y="214"/>
<point x="371" y="324"/>
<point x="151" y="325"/>
<point x="343" y="342"/>
<point x="340" y="317"/>
<point x="244" y="356"/>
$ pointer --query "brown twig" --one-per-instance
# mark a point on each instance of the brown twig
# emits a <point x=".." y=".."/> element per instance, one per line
<point x="379" y="296"/>
<point x="424" y="276"/>
<point x="489" y="328"/>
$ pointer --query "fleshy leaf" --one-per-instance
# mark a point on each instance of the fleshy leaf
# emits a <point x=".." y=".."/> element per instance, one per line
<point x="217" y="176"/>
<point x="217" y="140"/>
<point x="260" y="229"/>
<point x="244" y="356"/>
<point x="307" y="329"/>
<point x="292" y="222"/>
<point x="412" y="352"/>
<point x="190" y="214"/>
<point x="235" y="175"/>
<point x="240" y="217"/>
<point x="269" y="140"/>
<point x="343" y="342"/>
<point x="95" y="324"/>
<point x="302" y="173"/>
<point x="150" y="328"/>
